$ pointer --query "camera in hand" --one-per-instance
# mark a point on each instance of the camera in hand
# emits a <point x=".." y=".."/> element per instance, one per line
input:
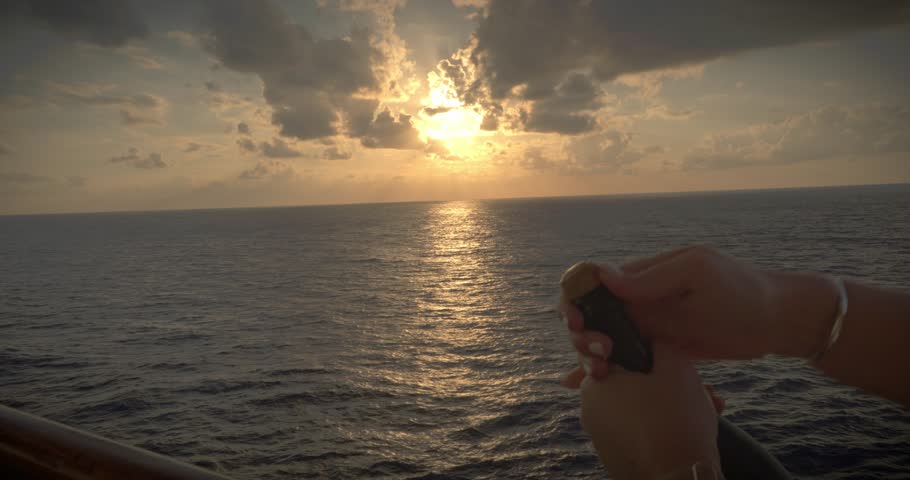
<point x="604" y="312"/>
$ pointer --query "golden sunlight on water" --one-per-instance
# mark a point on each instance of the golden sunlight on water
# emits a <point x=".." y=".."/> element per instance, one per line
<point x="459" y="350"/>
<point x="458" y="297"/>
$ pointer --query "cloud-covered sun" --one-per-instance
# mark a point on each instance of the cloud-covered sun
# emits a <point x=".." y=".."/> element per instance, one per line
<point x="447" y="119"/>
<point x="457" y="122"/>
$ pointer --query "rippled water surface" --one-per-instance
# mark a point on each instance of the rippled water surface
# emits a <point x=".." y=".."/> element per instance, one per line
<point x="406" y="340"/>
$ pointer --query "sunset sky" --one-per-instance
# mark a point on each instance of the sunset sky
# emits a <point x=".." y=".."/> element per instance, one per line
<point x="115" y="105"/>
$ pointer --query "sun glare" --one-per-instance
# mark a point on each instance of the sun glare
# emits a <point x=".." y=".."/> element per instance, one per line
<point x="447" y="119"/>
<point x="458" y="122"/>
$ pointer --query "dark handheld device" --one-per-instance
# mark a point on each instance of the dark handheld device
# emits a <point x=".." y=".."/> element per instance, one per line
<point x="604" y="312"/>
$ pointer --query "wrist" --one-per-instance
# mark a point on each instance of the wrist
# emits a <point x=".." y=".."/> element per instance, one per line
<point x="806" y="303"/>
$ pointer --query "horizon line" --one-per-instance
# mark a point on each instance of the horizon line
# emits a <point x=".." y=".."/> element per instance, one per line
<point x="480" y="199"/>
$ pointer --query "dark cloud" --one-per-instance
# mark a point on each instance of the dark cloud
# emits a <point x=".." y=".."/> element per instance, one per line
<point x="255" y="173"/>
<point x="462" y="76"/>
<point x="459" y="70"/>
<point x="267" y="169"/>
<point x="136" y="109"/>
<point x="153" y="160"/>
<point x="221" y="101"/>
<point x="309" y="116"/>
<point x="654" y="149"/>
<point x="387" y="131"/>
<point x="829" y="132"/>
<point x="97" y="95"/>
<point x="145" y="100"/>
<point x="135" y="117"/>
<point x="132" y="157"/>
<point x="359" y="116"/>
<point x="307" y="81"/>
<point x="334" y="153"/>
<point x="316" y="87"/>
<point x="612" y="38"/>
<point x="433" y="29"/>
<point x="278" y="149"/>
<point x="534" y="50"/>
<point x="549" y="122"/>
<point x="568" y="109"/>
<point x="435" y="110"/>
<point x="610" y="151"/>
<point x="246" y="144"/>
<point x="535" y="159"/>
<point x="243" y="128"/>
<point x="607" y="152"/>
<point x="108" y="23"/>
<point x="20" y="178"/>
<point x="490" y="123"/>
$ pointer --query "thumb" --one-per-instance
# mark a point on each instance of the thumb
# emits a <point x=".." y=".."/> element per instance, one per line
<point x="665" y="279"/>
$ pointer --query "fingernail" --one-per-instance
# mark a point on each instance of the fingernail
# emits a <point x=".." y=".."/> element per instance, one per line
<point x="587" y="381"/>
<point x="597" y="349"/>
<point x="585" y="364"/>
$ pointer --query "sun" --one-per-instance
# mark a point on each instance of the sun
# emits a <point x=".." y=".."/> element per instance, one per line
<point x="455" y="123"/>
<point x="446" y="119"/>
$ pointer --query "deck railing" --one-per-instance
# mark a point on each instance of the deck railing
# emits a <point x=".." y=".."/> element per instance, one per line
<point x="36" y="448"/>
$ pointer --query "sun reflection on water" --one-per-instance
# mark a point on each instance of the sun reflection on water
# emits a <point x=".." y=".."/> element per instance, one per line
<point x="458" y="299"/>
<point x="458" y="362"/>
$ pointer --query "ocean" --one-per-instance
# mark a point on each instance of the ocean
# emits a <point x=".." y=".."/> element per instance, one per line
<point x="408" y="340"/>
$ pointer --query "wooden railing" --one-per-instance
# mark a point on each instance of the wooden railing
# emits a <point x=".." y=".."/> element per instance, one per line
<point x="36" y="448"/>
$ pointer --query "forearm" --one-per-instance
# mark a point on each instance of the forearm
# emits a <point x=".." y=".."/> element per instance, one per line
<point x="873" y="350"/>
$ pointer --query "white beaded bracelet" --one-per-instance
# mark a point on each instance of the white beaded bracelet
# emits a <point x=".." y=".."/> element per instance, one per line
<point x="838" y="324"/>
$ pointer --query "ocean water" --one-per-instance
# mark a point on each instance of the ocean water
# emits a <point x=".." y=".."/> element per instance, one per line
<point x="413" y="340"/>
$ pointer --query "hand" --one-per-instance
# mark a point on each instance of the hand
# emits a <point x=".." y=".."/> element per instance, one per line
<point x="648" y="426"/>
<point x="712" y="306"/>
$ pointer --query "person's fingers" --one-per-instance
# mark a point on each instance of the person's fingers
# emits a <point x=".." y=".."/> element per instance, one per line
<point x="599" y="368"/>
<point x="653" y="318"/>
<point x="592" y="344"/>
<point x="572" y="317"/>
<point x="666" y="279"/>
<point x="573" y="379"/>
<point x="641" y="264"/>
